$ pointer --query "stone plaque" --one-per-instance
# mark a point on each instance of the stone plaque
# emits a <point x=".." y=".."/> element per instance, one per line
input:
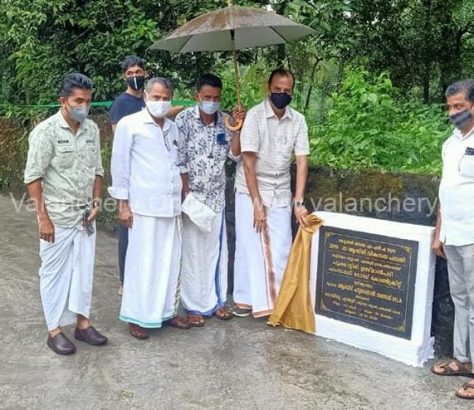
<point x="367" y="280"/>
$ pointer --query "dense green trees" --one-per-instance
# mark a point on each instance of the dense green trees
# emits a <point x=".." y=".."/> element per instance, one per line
<point x="420" y="45"/>
<point x="423" y="44"/>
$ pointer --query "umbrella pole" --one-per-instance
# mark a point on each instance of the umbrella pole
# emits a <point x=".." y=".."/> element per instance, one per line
<point x="236" y="66"/>
<point x="239" y="124"/>
<point x="236" y="74"/>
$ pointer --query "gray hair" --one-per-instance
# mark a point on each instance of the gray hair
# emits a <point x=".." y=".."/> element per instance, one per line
<point x="464" y="86"/>
<point x="159" y="80"/>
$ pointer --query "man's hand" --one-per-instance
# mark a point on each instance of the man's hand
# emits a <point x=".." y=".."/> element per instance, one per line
<point x="125" y="215"/>
<point x="94" y="213"/>
<point x="437" y="246"/>
<point x="46" y="229"/>
<point x="238" y="114"/>
<point x="259" y="217"/>
<point x="300" y="214"/>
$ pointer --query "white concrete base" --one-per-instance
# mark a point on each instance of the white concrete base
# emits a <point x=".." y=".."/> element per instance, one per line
<point x="420" y="347"/>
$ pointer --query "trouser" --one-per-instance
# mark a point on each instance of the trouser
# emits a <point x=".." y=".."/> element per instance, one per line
<point x="461" y="283"/>
<point x="122" y="236"/>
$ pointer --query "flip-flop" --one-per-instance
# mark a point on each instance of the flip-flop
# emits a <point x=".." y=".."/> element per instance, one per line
<point x="464" y="369"/>
<point x="196" y="320"/>
<point x="223" y="314"/>
<point x="465" y="388"/>
<point x="179" y="323"/>
<point x="138" y="332"/>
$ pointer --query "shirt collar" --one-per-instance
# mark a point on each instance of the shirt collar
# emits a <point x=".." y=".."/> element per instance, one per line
<point x="459" y="135"/>
<point x="269" y="113"/>
<point x="148" y="119"/>
<point x="63" y="124"/>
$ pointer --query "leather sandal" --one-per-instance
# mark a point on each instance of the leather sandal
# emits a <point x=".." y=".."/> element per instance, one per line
<point x="179" y="323"/>
<point x="466" y="391"/>
<point x="452" y="368"/>
<point x="196" y="320"/>
<point x="223" y="313"/>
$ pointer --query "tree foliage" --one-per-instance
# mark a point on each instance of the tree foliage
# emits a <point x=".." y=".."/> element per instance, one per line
<point x="420" y="45"/>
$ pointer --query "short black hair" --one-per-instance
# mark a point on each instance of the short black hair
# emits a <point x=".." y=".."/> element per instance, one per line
<point x="464" y="86"/>
<point x="131" y="61"/>
<point x="281" y="71"/>
<point x="208" y="79"/>
<point x="74" y="80"/>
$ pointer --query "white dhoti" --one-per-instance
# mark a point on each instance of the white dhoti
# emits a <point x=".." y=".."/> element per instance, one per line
<point x="66" y="276"/>
<point x="204" y="267"/>
<point x="259" y="265"/>
<point x="151" y="285"/>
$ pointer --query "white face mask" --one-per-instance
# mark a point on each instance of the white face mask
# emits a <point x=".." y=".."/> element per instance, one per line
<point x="158" y="109"/>
<point x="209" y="107"/>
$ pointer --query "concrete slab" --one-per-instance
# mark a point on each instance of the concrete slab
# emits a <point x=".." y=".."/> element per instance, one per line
<point x="241" y="364"/>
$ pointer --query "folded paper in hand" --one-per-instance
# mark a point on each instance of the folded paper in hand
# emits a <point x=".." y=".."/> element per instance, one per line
<point x="199" y="213"/>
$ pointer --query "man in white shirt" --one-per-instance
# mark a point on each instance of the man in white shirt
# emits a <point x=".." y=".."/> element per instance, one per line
<point x="147" y="184"/>
<point x="454" y="234"/>
<point x="271" y="134"/>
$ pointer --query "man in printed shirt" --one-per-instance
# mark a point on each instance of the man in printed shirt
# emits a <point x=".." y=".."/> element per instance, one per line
<point x="454" y="233"/>
<point x="271" y="134"/>
<point x="205" y="143"/>
<point x="64" y="178"/>
<point x="147" y="184"/>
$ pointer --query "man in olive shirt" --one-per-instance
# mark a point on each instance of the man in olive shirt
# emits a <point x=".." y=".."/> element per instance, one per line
<point x="64" y="176"/>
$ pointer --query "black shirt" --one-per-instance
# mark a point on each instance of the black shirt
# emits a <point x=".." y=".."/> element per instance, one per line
<point x="125" y="104"/>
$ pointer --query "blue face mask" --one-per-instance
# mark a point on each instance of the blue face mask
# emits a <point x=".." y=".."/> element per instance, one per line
<point x="79" y="114"/>
<point x="209" y="107"/>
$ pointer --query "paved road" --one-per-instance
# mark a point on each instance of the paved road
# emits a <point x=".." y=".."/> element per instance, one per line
<point x="241" y="364"/>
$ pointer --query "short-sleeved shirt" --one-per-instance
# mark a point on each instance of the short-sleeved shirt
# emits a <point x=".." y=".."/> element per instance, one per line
<point x="67" y="165"/>
<point x="274" y="141"/>
<point x="456" y="192"/>
<point x="125" y="104"/>
<point x="202" y="153"/>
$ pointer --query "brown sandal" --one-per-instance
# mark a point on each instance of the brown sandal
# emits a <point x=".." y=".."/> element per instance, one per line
<point x="179" y="323"/>
<point x="138" y="332"/>
<point x="446" y="369"/>
<point x="196" y="320"/>
<point x="223" y="314"/>
<point x="467" y="387"/>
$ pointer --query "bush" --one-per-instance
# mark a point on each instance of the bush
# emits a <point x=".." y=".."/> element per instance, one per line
<point x="369" y="126"/>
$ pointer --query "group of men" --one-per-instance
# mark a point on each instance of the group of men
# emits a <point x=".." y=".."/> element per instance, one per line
<point x="169" y="180"/>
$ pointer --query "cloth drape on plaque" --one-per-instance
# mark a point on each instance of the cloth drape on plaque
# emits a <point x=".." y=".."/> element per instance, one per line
<point x="293" y="307"/>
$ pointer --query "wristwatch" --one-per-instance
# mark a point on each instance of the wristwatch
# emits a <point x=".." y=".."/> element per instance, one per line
<point x="299" y="203"/>
<point x="95" y="204"/>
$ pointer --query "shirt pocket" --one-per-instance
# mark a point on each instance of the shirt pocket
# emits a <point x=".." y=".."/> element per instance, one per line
<point x="65" y="156"/>
<point x="221" y="151"/>
<point x="285" y="147"/>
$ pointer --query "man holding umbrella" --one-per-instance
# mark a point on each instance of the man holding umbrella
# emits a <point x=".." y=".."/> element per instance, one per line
<point x="271" y="134"/>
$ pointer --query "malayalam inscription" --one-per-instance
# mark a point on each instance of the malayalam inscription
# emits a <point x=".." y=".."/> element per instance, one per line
<point x="367" y="280"/>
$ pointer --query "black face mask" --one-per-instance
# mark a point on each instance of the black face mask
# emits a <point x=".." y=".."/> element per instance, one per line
<point x="280" y="100"/>
<point x="137" y="82"/>
<point x="461" y="119"/>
